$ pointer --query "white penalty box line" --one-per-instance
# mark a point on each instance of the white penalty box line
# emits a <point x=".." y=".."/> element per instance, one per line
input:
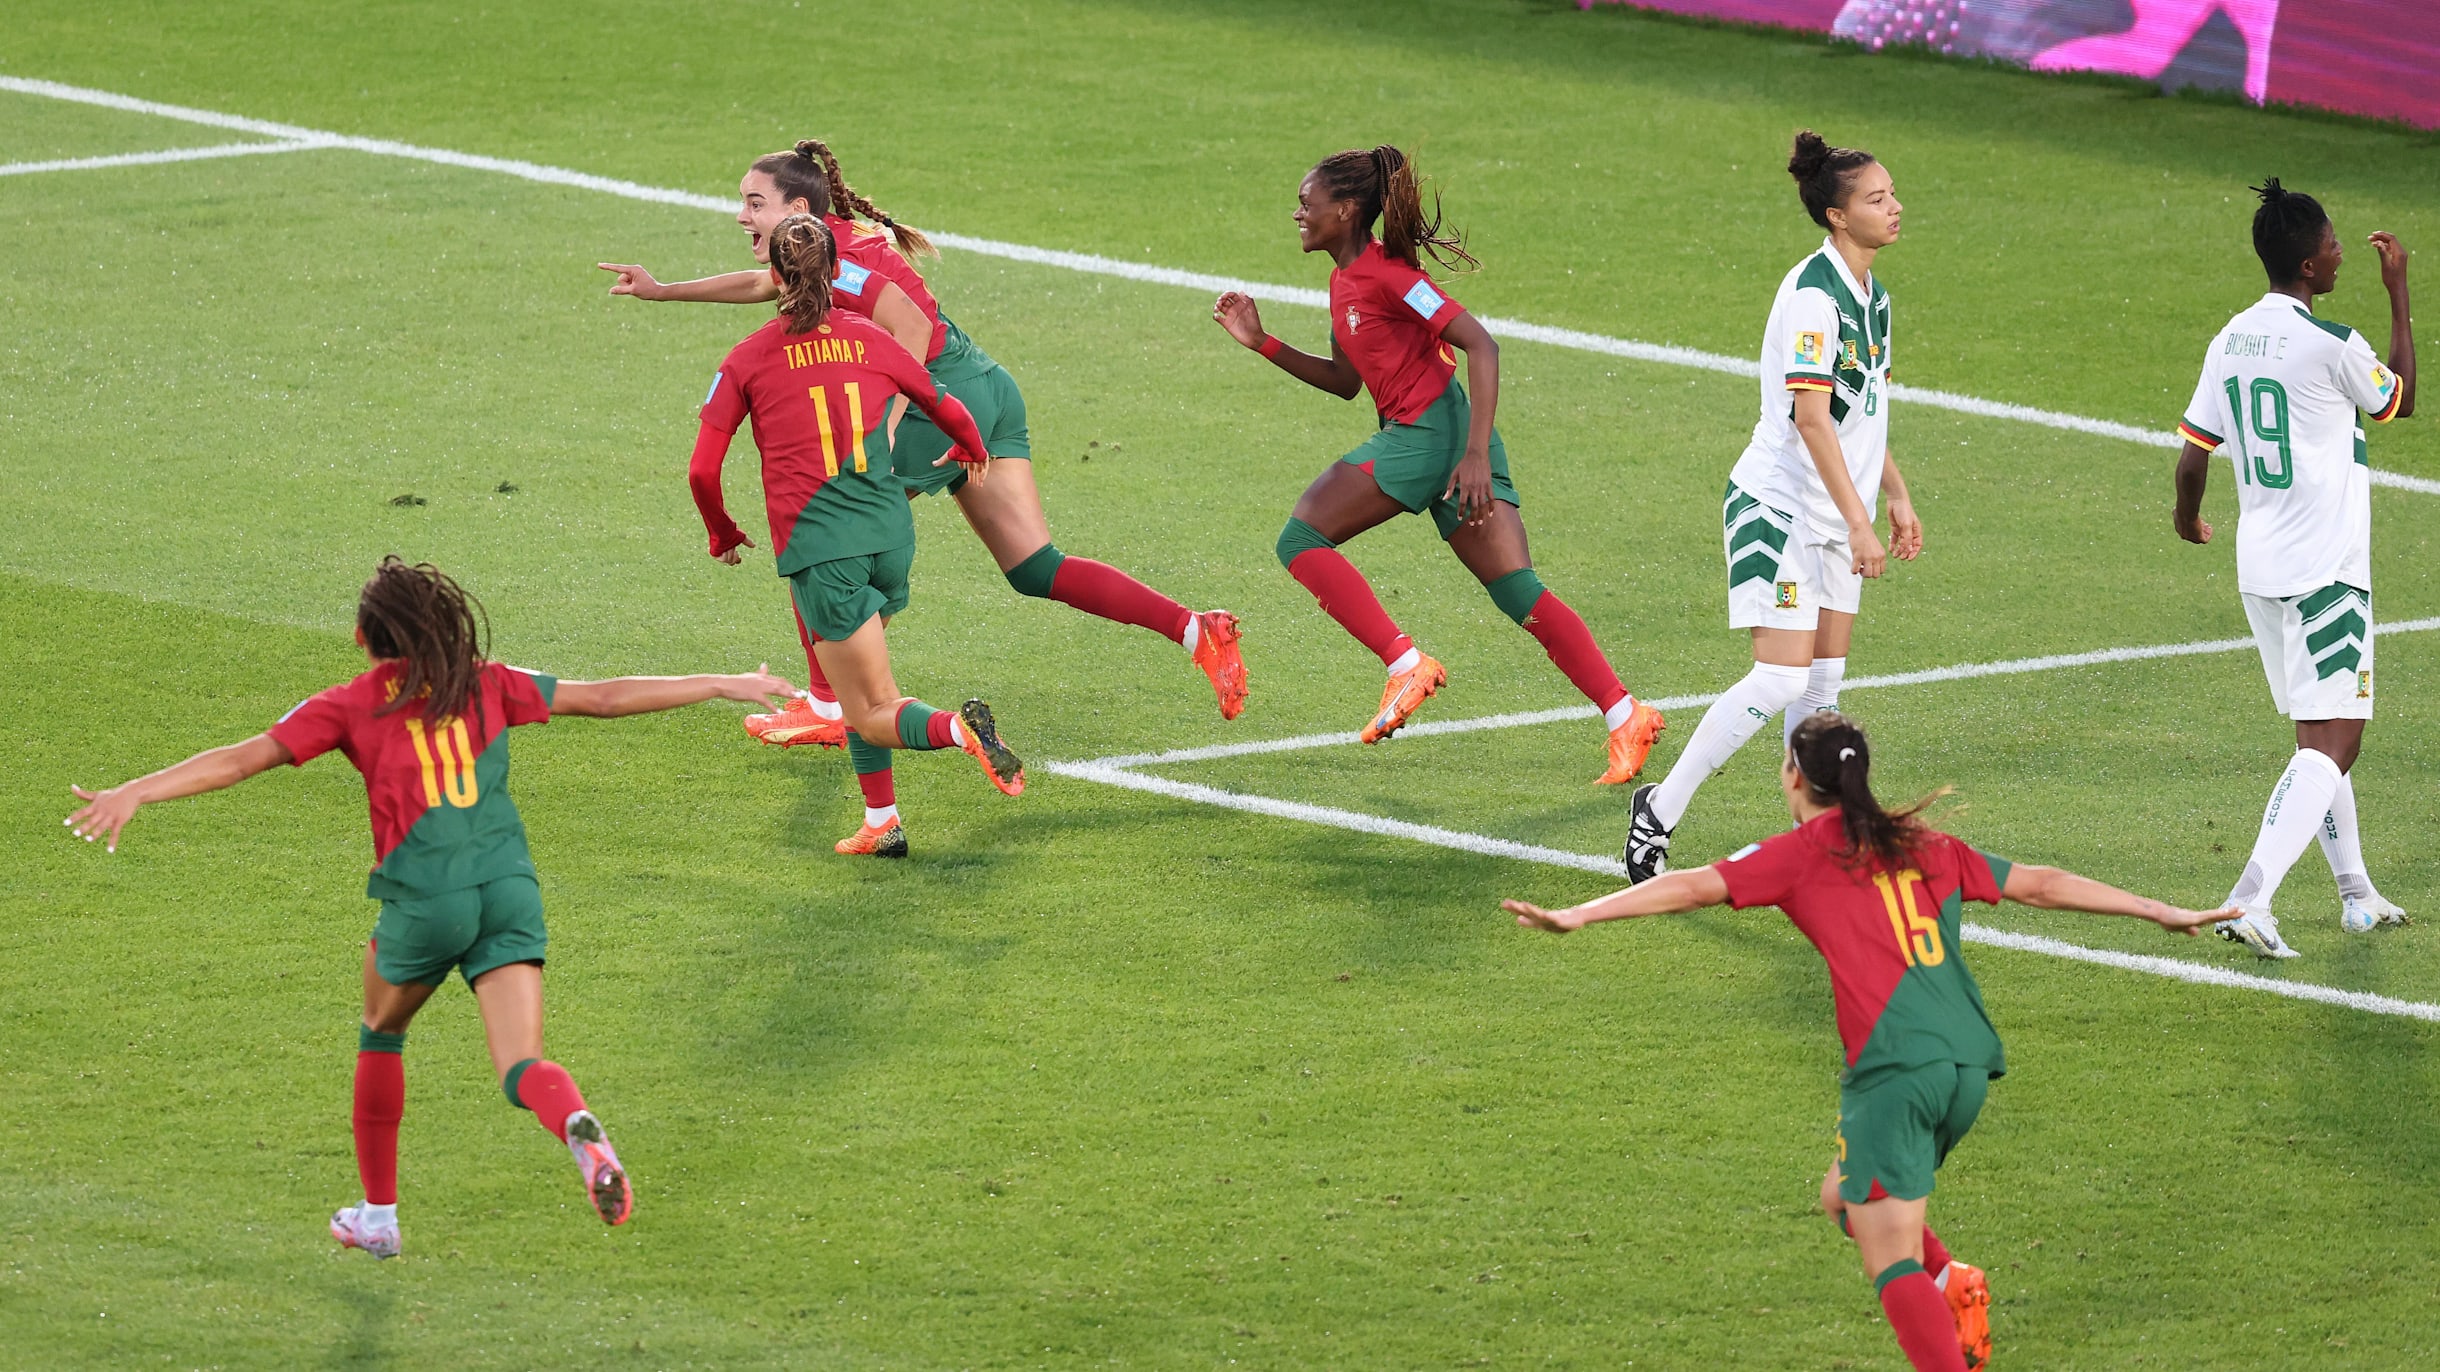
<point x="1120" y="771"/>
<point x="293" y="138"/>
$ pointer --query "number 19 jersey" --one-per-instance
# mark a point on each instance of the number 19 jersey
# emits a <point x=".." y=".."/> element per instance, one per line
<point x="2279" y="393"/>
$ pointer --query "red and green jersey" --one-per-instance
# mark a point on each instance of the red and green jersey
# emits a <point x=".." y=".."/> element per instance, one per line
<point x="442" y="819"/>
<point x="820" y="402"/>
<point x="1890" y="936"/>
<point x="1387" y="317"/>
<point x="867" y="262"/>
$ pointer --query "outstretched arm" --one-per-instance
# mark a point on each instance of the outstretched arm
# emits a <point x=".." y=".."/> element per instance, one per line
<point x="2052" y="888"/>
<point x="638" y="695"/>
<point x="1673" y="894"/>
<point x="2193" y="475"/>
<point x="728" y="288"/>
<point x="1235" y="312"/>
<point x="107" y="812"/>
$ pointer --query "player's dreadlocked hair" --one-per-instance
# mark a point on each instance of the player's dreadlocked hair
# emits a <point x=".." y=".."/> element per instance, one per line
<point x="437" y="632"/>
<point x="1822" y="173"/>
<point x="810" y="172"/>
<point x="2287" y="230"/>
<point x="807" y="257"/>
<point x="1836" y="764"/>
<point x="1382" y="183"/>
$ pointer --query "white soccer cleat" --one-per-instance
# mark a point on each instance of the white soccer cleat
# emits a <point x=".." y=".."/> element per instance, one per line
<point x="348" y="1226"/>
<point x="605" y="1181"/>
<point x="2363" y="916"/>
<point x="2258" y="930"/>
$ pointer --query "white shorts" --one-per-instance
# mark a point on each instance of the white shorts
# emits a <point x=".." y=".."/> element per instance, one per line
<point x="2317" y="651"/>
<point x="1780" y="574"/>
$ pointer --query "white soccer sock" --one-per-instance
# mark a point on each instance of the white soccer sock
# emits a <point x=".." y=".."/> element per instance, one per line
<point x="1821" y="693"/>
<point x="2295" y="812"/>
<point x="2341" y="844"/>
<point x="1617" y="714"/>
<point x="1406" y="661"/>
<point x="876" y="819"/>
<point x="957" y="731"/>
<point x="374" y="1216"/>
<point x="824" y="709"/>
<point x="1193" y="635"/>
<point x="1736" y="716"/>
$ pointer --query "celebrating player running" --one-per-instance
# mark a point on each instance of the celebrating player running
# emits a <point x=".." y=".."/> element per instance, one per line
<point x="1880" y="895"/>
<point x="1796" y="520"/>
<point x="876" y="280"/>
<point x="2279" y="394"/>
<point x="818" y="385"/>
<point x="1390" y="333"/>
<point x="427" y="726"/>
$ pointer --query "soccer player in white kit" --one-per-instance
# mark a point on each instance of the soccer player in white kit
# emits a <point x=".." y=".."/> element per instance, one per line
<point x="2280" y="394"/>
<point x="1797" y="518"/>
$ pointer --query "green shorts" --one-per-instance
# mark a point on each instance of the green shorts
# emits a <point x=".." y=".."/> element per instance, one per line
<point x="479" y="928"/>
<point x="1896" y="1127"/>
<point x="834" y="598"/>
<point x="998" y="408"/>
<point x="1412" y="463"/>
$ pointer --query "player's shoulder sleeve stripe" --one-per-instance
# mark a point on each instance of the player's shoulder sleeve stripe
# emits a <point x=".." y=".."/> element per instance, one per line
<point x="715" y="390"/>
<point x="1807" y="381"/>
<point x="2197" y="435"/>
<point x="2329" y="326"/>
<point x="2397" y="398"/>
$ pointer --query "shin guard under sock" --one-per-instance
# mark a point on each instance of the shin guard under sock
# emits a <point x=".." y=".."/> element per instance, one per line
<point x="1563" y="635"/>
<point x="545" y="1088"/>
<point x="1097" y="588"/>
<point x="1919" y="1316"/>
<point x="873" y="774"/>
<point x="381" y="1101"/>
<point x="1347" y="597"/>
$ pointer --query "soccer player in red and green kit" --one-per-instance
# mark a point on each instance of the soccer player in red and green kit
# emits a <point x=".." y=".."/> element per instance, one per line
<point x="819" y="385"/>
<point x="1880" y="895"/>
<point x="1391" y="331"/>
<point x="427" y="725"/>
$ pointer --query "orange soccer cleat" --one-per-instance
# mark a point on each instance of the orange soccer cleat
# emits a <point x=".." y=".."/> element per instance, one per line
<point x="889" y="840"/>
<point x="1216" y="653"/>
<point x="1970" y="1302"/>
<point x="796" y="726"/>
<point x="1631" y="743"/>
<point x="984" y="742"/>
<point x="1404" y="694"/>
<point x="605" y="1181"/>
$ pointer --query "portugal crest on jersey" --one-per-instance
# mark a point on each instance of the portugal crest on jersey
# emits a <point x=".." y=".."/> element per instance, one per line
<point x="1352" y="317"/>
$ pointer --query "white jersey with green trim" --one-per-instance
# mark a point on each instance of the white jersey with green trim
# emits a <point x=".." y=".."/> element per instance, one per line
<point x="1826" y="333"/>
<point x="2280" y="392"/>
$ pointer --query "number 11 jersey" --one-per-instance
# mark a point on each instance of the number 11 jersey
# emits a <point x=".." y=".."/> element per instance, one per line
<point x="2280" y="392"/>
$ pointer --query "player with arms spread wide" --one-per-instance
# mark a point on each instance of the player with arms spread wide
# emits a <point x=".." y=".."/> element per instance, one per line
<point x="1796" y="520"/>
<point x="875" y="279"/>
<point x="428" y="726"/>
<point x="2280" y="392"/>
<point x="1391" y="330"/>
<point x="819" y="384"/>
<point x="1880" y="894"/>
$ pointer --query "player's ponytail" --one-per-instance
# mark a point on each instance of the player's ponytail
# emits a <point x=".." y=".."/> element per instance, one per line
<point x="1836" y="764"/>
<point x="806" y="257"/>
<point x="1822" y="173"/>
<point x="1383" y="184"/>
<point x="433" y="629"/>
<point x="910" y="240"/>
<point x="2287" y="230"/>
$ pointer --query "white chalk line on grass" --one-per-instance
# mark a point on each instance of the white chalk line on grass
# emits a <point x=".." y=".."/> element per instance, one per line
<point x="146" y="159"/>
<point x="1577" y="339"/>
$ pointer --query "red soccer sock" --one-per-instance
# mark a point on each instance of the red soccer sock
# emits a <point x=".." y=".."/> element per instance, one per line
<point x="880" y="788"/>
<point x="815" y="682"/>
<point x="1097" y="588"/>
<point x="936" y="729"/>
<point x="546" y="1089"/>
<point x="381" y="1100"/>
<point x="1348" y="598"/>
<point x="1570" y="645"/>
<point x="1935" y="1254"/>
<point x="1919" y="1314"/>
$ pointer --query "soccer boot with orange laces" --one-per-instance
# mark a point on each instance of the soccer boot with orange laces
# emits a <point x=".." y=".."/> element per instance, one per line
<point x="1970" y="1303"/>
<point x="796" y="726"/>
<point x="605" y="1181"/>
<point x="984" y="742"/>
<point x="1404" y="694"/>
<point x="887" y="840"/>
<point x="1216" y="653"/>
<point x="1631" y="743"/>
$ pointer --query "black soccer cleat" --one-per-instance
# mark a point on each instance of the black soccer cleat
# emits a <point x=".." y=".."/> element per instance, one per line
<point x="983" y="740"/>
<point x="1647" y="847"/>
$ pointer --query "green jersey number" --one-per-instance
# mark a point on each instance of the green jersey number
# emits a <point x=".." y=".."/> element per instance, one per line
<point x="2268" y="417"/>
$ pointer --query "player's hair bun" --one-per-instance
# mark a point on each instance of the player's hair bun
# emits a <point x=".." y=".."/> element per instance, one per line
<point x="1811" y="154"/>
<point x="2271" y="191"/>
<point x="809" y="149"/>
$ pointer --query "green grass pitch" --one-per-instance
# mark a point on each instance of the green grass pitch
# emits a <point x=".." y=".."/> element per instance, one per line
<point x="1100" y="1077"/>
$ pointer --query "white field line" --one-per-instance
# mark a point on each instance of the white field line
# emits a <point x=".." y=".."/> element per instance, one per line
<point x="1962" y="672"/>
<point x="146" y="159"/>
<point x="1632" y="349"/>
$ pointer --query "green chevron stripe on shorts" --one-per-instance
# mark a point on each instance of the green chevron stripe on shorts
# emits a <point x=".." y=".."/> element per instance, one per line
<point x="1747" y="523"/>
<point x="2336" y="624"/>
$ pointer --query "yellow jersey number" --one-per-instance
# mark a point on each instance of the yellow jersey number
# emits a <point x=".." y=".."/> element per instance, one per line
<point x="453" y="776"/>
<point x="855" y="422"/>
<point x="1918" y="934"/>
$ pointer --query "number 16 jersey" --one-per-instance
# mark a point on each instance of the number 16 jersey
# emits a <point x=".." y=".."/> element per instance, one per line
<point x="2279" y="394"/>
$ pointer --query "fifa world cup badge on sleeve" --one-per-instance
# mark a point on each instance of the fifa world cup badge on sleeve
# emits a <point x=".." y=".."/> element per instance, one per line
<point x="2363" y="685"/>
<point x="1787" y="595"/>
<point x="1808" y="349"/>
